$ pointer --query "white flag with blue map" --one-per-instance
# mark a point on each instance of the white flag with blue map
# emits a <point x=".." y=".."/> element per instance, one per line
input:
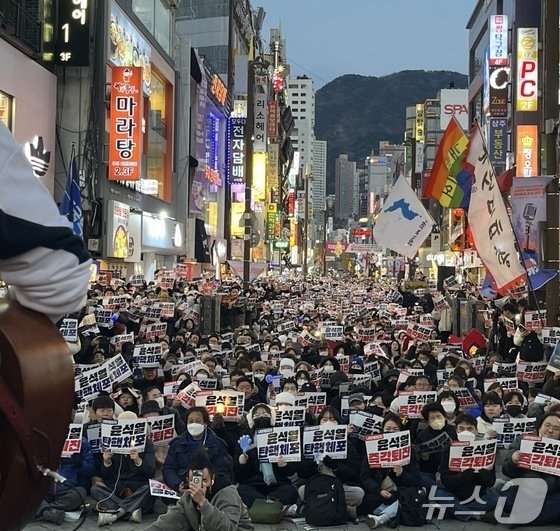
<point x="404" y="223"/>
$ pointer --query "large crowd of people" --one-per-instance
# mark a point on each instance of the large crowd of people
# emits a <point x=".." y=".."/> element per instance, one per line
<point x="346" y="388"/>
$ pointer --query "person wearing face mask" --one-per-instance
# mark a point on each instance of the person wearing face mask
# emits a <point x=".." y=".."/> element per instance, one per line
<point x="343" y="469"/>
<point x="434" y="415"/>
<point x="514" y="404"/>
<point x="183" y="448"/>
<point x="450" y="404"/>
<point x="491" y="409"/>
<point x="382" y="485"/>
<point x="286" y="368"/>
<point x="329" y="365"/>
<point x="462" y="485"/>
<point x="262" y="480"/>
<point x="210" y="502"/>
<point x="153" y="393"/>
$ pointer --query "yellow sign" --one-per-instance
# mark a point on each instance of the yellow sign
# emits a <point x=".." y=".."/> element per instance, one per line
<point x="237" y="226"/>
<point x="419" y="124"/>
<point x="527" y="69"/>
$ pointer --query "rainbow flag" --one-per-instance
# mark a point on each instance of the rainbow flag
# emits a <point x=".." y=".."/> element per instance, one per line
<point x="449" y="182"/>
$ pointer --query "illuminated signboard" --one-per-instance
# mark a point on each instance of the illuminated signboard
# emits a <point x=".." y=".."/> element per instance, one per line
<point x="527" y="69"/>
<point x="498" y="40"/>
<point x="419" y="125"/>
<point x="236" y="140"/>
<point x="527" y="150"/>
<point x="497" y="144"/>
<point x="125" y="127"/>
<point x="72" y="43"/>
<point x="218" y="90"/>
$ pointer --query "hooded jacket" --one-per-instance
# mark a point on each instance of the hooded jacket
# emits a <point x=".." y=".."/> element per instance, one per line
<point x="223" y="511"/>
<point x="182" y="450"/>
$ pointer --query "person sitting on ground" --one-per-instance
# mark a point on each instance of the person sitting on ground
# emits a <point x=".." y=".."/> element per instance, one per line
<point x="210" y="502"/>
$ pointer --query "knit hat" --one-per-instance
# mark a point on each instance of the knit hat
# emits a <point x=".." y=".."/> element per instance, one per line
<point x="285" y="398"/>
<point x="150" y="406"/>
<point x="127" y="415"/>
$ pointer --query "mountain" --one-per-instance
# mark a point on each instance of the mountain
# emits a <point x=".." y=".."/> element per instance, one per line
<point x="353" y="113"/>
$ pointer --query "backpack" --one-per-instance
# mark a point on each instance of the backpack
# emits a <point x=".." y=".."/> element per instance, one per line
<point x="266" y="511"/>
<point x="531" y="348"/>
<point x="411" y="513"/>
<point x="325" y="503"/>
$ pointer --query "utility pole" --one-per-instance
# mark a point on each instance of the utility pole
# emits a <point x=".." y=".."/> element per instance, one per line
<point x="248" y="163"/>
<point x="549" y="163"/>
<point x="305" y="222"/>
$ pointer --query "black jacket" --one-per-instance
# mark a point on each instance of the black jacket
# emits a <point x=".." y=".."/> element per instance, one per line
<point x="431" y="464"/>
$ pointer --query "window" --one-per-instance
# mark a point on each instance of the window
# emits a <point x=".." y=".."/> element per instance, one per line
<point x="156" y="18"/>
<point x="6" y="109"/>
<point x="158" y="156"/>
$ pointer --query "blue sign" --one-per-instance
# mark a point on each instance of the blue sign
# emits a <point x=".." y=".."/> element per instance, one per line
<point x="497" y="144"/>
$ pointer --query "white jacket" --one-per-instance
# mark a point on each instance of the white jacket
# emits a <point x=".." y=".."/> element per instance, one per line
<point x="43" y="262"/>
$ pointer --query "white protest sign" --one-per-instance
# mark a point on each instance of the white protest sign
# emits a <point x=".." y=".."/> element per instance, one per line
<point x="325" y="440"/>
<point x="103" y="317"/>
<point x="410" y="404"/>
<point x="505" y="383"/>
<point x="531" y="373"/>
<point x="373" y="370"/>
<point x="367" y="335"/>
<point x="535" y="320"/>
<point x="465" y="397"/>
<point x="154" y="330"/>
<point x="119" y="302"/>
<point x="162" y="428"/>
<point x="388" y="450"/>
<point x="418" y="331"/>
<point x="365" y="423"/>
<point x="443" y="375"/>
<point x="275" y="442"/>
<point x="227" y="403"/>
<point x="315" y="402"/>
<point x="334" y="333"/>
<point x="289" y="416"/>
<point x="167" y="309"/>
<point x="509" y="429"/>
<point x="122" y="338"/>
<point x="137" y="280"/>
<point x="308" y="340"/>
<point x="147" y="355"/>
<point x="69" y="330"/>
<point x="187" y="395"/>
<point x="90" y="383"/>
<point x="161" y="489"/>
<point x="73" y="442"/>
<point x="477" y="455"/>
<point x="550" y="336"/>
<point x="125" y="436"/>
<point x="540" y="454"/>
<point x="440" y="303"/>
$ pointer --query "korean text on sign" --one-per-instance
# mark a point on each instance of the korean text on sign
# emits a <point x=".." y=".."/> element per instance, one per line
<point x="325" y="440"/>
<point x="275" y="442"/>
<point x="477" y="455"/>
<point x="388" y="450"/>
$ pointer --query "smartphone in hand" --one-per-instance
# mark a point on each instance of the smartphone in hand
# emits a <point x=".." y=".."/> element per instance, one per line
<point x="197" y="477"/>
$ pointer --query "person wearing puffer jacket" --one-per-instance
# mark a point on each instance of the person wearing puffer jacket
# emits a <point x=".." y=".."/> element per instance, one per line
<point x="211" y="503"/>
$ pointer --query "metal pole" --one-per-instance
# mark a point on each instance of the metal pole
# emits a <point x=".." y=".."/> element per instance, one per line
<point x="305" y="223"/>
<point x="249" y="130"/>
<point x="549" y="163"/>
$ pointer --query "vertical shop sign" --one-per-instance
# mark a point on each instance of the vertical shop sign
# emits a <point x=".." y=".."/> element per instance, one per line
<point x="125" y="128"/>
<point x="527" y="69"/>
<point x="259" y="142"/>
<point x="236" y="133"/>
<point x="498" y="40"/>
<point x="527" y="150"/>
<point x="497" y="145"/>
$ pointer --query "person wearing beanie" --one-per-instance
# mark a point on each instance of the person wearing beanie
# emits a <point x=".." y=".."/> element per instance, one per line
<point x="122" y="486"/>
<point x="357" y="365"/>
<point x="285" y="400"/>
<point x="128" y="400"/>
<point x="286" y="367"/>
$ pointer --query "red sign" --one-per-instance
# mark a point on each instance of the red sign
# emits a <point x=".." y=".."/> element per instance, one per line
<point x="125" y="127"/>
<point x="361" y="232"/>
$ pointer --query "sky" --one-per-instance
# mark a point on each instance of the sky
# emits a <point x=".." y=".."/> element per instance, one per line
<point x="329" y="38"/>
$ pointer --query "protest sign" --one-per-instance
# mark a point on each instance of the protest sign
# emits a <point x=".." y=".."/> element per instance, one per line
<point x="122" y="338"/>
<point x="434" y="445"/>
<point x="101" y="378"/>
<point x="534" y="320"/>
<point x="170" y="389"/>
<point x="410" y="404"/>
<point x="359" y="379"/>
<point x="275" y="442"/>
<point x="477" y="455"/>
<point x="150" y="313"/>
<point x="364" y="424"/>
<point x="103" y="317"/>
<point x="161" y="489"/>
<point x="166" y="279"/>
<point x="478" y="363"/>
<point x="161" y="428"/>
<point x="505" y="383"/>
<point x="308" y="340"/>
<point x="229" y="404"/>
<point x="154" y="330"/>
<point x="373" y="370"/>
<point x="374" y="348"/>
<point x="73" y="442"/>
<point x="316" y="402"/>
<point x="119" y="302"/>
<point x="147" y="355"/>
<point x="443" y="375"/>
<point x="509" y="324"/>
<point x="325" y="440"/>
<point x="405" y="374"/>
<point x="207" y="383"/>
<point x="124" y="436"/>
<point x="509" y="429"/>
<point x="334" y="333"/>
<point x="418" y="331"/>
<point x="187" y="395"/>
<point x="440" y="303"/>
<point x="465" y="397"/>
<point x="289" y="416"/>
<point x="554" y="361"/>
<point x="426" y="321"/>
<point x="451" y="283"/>
<point x="366" y="335"/>
<point x="166" y="309"/>
<point x="541" y="398"/>
<point x="388" y="450"/>
<point x="284" y="327"/>
<point x="550" y="336"/>
<point x="137" y="281"/>
<point x="540" y="454"/>
<point x="504" y="369"/>
<point x="69" y="330"/>
<point x="531" y="373"/>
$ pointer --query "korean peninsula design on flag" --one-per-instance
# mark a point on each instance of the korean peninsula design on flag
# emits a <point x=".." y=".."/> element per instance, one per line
<point x="489" y="221"/>
<point x="404" y="223"/>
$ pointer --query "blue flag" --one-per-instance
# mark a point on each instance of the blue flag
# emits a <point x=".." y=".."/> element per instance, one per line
<point x="71" y="204"/>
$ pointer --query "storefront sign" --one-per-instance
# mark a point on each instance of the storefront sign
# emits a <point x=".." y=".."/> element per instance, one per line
<point x="272" y="166"/>
<point x="498" y="91"/>
<point x="454" y="104"/>
<point x="527" y="69"/>
<point x="260" y="129"/>
<point x="497" y="144"/>
<point x="419" y="125"/>
<point x="117" y="229"/>
<point x="498" y="40"/>
<point x="125" y="127"/>
<point x="218" y="89"/>
<point x="72" y="44"/>
<point x="273" y="119"/>
<point x="270" y="220"/>
<point x="236" y="142"/>
<point x="527" y="150"/>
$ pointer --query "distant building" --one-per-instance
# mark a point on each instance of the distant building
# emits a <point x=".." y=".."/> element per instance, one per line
<point x="319" y="173"/>
<point x="345" y="177"/>
<point x="301" y="96"/>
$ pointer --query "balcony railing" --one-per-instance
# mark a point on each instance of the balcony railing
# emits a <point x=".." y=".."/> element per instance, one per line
<point x="17" y="22"/>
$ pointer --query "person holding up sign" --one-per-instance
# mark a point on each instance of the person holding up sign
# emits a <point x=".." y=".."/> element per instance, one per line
<point x="471" y="489"/>
<point x="382" y="485"/>
<point x="210" y="502"/>
<point x="547" y="427"/>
